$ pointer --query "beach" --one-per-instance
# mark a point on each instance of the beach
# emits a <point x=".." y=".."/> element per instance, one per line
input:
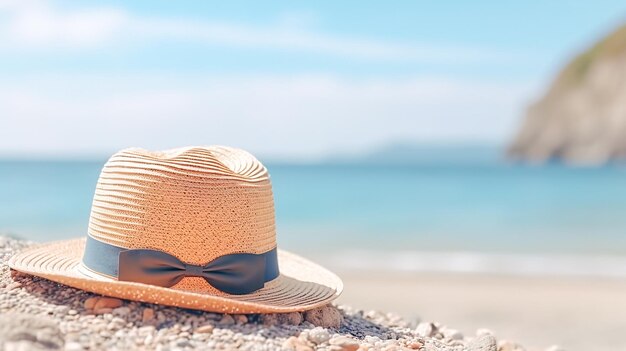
<point x="37" y="314"/>
<point x="578" y="314"/>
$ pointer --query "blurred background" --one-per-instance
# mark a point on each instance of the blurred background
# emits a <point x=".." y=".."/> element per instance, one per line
<point x="452" y="161"/>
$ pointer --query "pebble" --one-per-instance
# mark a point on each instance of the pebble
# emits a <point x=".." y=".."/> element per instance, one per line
<point x="107" y="302"/>
<point x="205" y="329"/>
<point x="483" y="331"/>
<point x="146" y="330"/>
<point x="485" y="342"/>
<point x="90" y="303"/>
<point x="102" y="310"/>
<point x="241" y="319"/>
<point x="13" y="285"/>
<point x="73" y="346"/>
<point x="345" y="343"/>
<point x="326" y="316"/>
<point x="227" y="319"/>
<point x="293" y="318"/>
<point x="425" y="329"/>
<point x="118" y="321"/>
<point x="506" y="345"/>
<point x="121" y="311"/>
<point x="414" y="345"/>
<point x="183" y="343"/>
<point x="452" y="334"/>
<point x="270" y="319"/>
<point x="147" y="315"/>
<point x="293" y="343"/>
<point x="318" y="335"/>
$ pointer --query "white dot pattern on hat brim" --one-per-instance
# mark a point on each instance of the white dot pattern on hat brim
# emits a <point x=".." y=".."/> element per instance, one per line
<point x="302" y="284"/>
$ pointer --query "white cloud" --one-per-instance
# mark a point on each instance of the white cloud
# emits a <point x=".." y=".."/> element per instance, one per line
<point x="304" y="116"/>
<point x="282" y="116"/>
<point x="296" y="39"/>
<point x="33" y="24"/>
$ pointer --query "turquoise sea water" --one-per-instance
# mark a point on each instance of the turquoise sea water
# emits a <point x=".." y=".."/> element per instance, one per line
<point x="463" y="214"/>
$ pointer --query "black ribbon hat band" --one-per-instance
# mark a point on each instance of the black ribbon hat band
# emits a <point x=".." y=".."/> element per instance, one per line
<point x="238" y="273"/>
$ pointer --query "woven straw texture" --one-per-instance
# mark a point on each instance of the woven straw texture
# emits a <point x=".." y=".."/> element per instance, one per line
<point x="196" y="203"/>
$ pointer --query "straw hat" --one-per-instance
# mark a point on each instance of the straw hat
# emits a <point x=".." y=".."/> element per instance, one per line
<point x="191" y="227"/>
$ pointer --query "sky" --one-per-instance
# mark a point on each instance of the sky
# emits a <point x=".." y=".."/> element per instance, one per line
<point x="289" y="80"/>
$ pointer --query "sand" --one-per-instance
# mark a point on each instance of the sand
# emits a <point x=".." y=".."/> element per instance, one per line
<point x="579" y="314"/>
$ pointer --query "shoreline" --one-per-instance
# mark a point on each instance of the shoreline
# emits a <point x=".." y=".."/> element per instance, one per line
<point x="506" y="264"/>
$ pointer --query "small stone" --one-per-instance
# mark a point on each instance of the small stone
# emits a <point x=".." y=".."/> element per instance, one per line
<point x="121" y="311"/>
<point x="148" y="340"/>
<point x="107" y="302"/>
<point x="118" y="321"/>
<point x="414" y="345"/>
<point x="269" y="319"/>
<point x="14" y="285"/>
<point x="426" y="329"/>
<point x="241" y="319"/>
<point x="293" y="318"/>
<point x="326" y="316"/>
<point x="146" y="330"/>
<point x="345" y="343"/>
<point x="102" y="310"/>
<point x="505" y="345"/>
<point x="183" y="343"/>
<point x="483" y="331"/>
<point x="205" y="329"/>
<point x="318" y="335"/>
<point x="73" y="346"/>
<point x="160" y="317"/>
<point x="290" y="343"/>
<point x="452" y="334"/>
<point x="72" y="312"/>
<point x="227" y="319"/>
<point x="90" y="303"/>
<point x="147" y="315"/>
<point x="293" y="343"/>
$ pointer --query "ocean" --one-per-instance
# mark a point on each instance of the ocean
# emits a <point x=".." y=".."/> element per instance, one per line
<point x="487" y="217"/>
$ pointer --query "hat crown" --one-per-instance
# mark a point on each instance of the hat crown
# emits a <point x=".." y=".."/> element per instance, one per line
<point x="196" y="203"/>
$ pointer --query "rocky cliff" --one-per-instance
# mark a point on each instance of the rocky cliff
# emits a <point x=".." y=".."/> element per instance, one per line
<point x="582" y="117"/>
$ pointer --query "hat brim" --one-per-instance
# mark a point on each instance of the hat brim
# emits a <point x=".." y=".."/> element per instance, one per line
<point x="302" y="284"/>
